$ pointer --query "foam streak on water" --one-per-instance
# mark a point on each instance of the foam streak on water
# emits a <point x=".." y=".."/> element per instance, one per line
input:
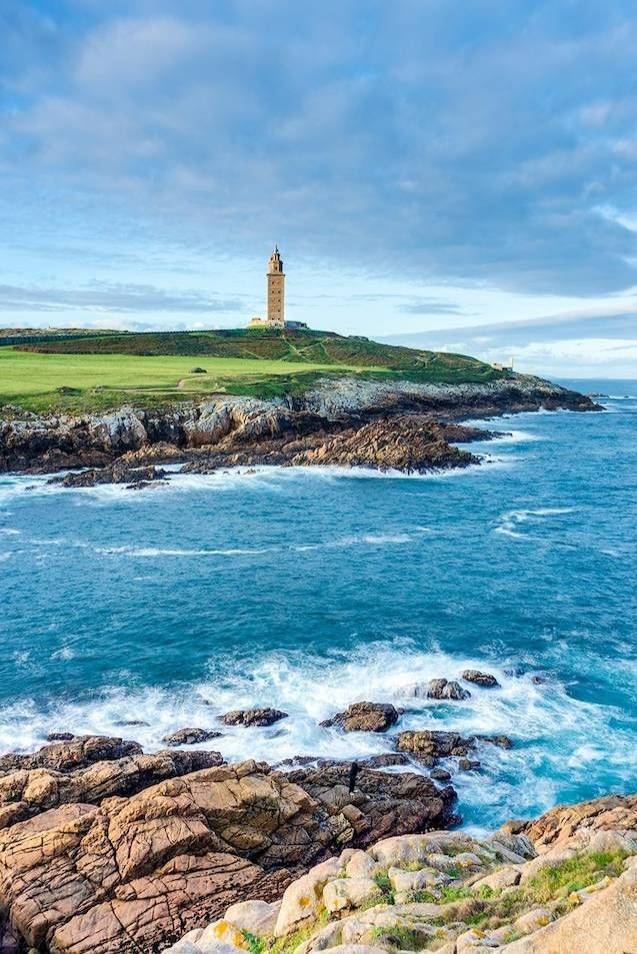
<point x="308" y="589"/>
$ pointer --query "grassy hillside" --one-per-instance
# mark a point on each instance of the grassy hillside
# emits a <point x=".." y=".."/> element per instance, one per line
<point x="100" y="371"/>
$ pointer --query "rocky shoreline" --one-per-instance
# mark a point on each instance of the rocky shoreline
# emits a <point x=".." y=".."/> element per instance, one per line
<point x="107" y="849"/>
<point x="344" y="422"/>
<point x="104" y="849"/>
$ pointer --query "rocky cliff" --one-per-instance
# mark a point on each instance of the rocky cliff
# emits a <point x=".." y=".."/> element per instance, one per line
<point x="347" y="421"/>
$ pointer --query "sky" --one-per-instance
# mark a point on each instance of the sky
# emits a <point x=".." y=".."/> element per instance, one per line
<point x="452" y="175"/>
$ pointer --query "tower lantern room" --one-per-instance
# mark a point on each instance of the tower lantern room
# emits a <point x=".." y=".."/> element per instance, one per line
<point x="275" y="262"/>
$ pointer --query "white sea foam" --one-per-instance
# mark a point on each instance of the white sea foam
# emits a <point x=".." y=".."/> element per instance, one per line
<point x="516" y="437"/>
<point x="372" y="538"/>
<point x="10" y="532"/>
<point x="557" y="736"/>
<point x="180" y="551"/>
<point x="65" y="652"/>
<point x="511" y="522"/>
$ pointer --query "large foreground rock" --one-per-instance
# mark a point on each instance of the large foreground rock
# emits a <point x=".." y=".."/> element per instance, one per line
<point x="131" y="874"/>
<point x="454" y="893"/>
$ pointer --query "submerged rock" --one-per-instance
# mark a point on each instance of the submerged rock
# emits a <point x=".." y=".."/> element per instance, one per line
<point x="364" y="717"/>
<point x="116" y="473"/>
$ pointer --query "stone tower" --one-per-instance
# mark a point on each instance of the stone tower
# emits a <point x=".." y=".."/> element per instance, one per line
<point x="276" y="289"/>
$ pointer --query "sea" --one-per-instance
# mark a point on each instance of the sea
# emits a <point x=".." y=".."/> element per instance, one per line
<point x="137" y="612"/>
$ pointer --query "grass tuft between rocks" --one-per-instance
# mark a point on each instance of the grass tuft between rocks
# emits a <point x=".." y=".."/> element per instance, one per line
<point x="385" y="885"/>
<point x="255" y="945"/>
<point x="574" y="874"/>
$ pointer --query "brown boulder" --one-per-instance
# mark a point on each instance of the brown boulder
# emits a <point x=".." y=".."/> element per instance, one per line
<point x="364" y="717"/>
<point x="445" y="689"/>
<point x="429" y="745"/>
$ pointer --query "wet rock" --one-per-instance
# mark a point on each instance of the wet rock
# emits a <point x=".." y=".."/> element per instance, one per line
<point x="429" y="745"/>
<point x="501" y="741"/>
<point x="279" y="436"/>
<point x="60" y="737"/>
<point x="384" y="760"/>
<point x="440" y="775"/>
<point x="443" y="689"/>
<point x="253" y="717"/>
<point x="190" y="736"/>
<point x="364" y="717"/>
<point x="116" y="473"/>
<point x="484" y="679"/>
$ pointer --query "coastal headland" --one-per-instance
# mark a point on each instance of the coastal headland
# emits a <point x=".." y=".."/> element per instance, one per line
<point x="313" y="399"/>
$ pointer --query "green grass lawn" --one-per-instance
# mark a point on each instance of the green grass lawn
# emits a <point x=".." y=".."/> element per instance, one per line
<point x="79" y="382"/>
<point x="98" y="372"/>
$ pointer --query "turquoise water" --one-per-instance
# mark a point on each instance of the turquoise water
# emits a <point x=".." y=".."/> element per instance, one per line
<point x="308" y="590"/>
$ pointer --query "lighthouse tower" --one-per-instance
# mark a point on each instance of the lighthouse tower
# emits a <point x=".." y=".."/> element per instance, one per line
<point x="276" y="289"/>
